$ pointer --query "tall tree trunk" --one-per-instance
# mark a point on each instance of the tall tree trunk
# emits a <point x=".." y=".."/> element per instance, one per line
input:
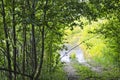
<point x="24" y="40"/>
<point x="7" y="43"/>
<point x="24" y="50"/>
<point x="33" y="44"/>
<point x="39" y="68"/>
<point x="33" y="37"/>
<point x="50" y="56"/>
<point x="34" y="48"/>
<point x="14" y="37"/>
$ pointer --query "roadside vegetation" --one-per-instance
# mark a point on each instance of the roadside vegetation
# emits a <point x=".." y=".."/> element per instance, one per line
<point x="86" y="73"/>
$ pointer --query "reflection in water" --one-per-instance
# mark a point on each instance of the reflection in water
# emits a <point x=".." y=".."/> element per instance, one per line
<point x="77" y="51"/>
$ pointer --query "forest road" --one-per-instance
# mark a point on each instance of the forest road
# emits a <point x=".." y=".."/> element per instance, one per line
<point x="71" y="72"/>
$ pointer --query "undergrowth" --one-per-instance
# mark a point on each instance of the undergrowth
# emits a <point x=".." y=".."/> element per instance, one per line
<point x="106" y="74"/>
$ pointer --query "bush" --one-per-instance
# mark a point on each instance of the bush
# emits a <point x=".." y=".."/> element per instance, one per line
<point x="72" y="56"/>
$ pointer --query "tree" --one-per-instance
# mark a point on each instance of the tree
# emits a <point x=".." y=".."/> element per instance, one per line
<point x="7" y="41"/>
<point x="14" y="37"/>
<point x="109" y="9"/>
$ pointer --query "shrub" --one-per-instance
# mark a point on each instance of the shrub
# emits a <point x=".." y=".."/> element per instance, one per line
<point x="72" y="56"/>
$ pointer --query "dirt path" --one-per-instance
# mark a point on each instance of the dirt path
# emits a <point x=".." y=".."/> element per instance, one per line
<point x="71" y="72"/>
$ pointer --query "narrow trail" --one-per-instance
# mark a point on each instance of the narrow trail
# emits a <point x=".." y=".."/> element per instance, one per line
<point x="71" y="72"/>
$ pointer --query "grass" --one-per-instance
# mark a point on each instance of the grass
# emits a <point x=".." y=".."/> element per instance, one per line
<point x="85" y="72"/>
<point x="106" y="74"/>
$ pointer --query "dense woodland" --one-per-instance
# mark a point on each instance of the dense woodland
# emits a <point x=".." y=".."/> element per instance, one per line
<point x="32" y="34"/>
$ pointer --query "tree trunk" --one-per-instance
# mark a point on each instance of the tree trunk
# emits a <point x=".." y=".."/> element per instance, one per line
<point x="50" y="56"/>
<point x="24" y="41"/>
<point x="14" y="37"/>
<point x="33" y="37"/>
<point x="7" y="42"/>
<point x="39" y="69"/>
<point x="24" y="50"/>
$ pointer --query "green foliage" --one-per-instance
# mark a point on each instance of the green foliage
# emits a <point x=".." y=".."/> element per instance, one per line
<point x="103" y="8"/>
<point x="72" y="56"/>
<point x="53" y="74"/>
<point x="111" y="32"/>
<point x="104" y="46"/>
